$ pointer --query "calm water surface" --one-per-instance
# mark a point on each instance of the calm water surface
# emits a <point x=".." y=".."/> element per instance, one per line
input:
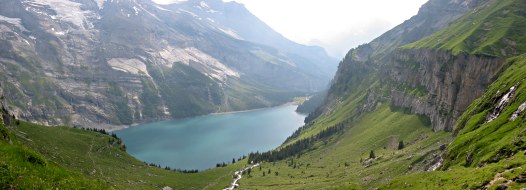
<point x="201" y="142"/>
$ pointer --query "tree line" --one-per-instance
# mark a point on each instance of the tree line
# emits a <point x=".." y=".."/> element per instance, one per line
<point x="114" y="140"/>
<point x="296" y="148"/>
<point x="174" y="169"/>
<point x="298" y="131"/>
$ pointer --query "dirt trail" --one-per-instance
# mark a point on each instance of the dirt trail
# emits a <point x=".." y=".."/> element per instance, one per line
<point x="497" y="178"/>
<point x="239" y="175"/>
<point x="95" y="166"/>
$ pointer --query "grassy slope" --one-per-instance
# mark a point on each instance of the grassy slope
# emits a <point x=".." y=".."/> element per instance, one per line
<point x="459" y="177"/>
<point x="496" y="29"/>
<point x="325" y="165"/>
<point x="487" y="139"/>
<point x="495" y="147"/>
<point x="346" y="110"/>
<point x="91" y="155"/>
<point x="23" y="168"/>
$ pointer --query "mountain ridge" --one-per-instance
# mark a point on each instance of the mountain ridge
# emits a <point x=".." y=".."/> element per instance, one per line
<point x="81" y="63"/>
<point x="382" y="57"/>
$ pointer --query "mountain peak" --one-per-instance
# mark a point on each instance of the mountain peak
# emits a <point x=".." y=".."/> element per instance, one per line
<point x="157" y="59"/>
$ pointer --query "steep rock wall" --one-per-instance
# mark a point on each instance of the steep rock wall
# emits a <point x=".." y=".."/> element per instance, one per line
<point x="430" y="82"/>
<point x="439" y="84"/>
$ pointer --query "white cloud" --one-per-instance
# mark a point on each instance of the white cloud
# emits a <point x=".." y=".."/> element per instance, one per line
<point x="337" y="25"/>
<point x="339" y="43"/>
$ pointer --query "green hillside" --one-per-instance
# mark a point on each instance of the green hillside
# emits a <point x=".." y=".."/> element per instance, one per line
<point x="484" y="154"/>
<point x="494" y="29"/>
<point x="24" y="168"/>
<point x="338" y="161"/>
<point x="70" y="158"/>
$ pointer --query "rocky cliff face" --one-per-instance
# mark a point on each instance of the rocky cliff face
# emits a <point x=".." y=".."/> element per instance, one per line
<point x="438" y="84"/>
<point x="431" y="82"/>
<point x="116" y="62"/>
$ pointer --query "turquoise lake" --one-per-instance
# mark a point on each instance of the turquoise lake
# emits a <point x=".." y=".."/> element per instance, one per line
<point x="202" y="142"/>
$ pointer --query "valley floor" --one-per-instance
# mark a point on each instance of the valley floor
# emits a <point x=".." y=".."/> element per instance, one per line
<point x="339" y="162"/>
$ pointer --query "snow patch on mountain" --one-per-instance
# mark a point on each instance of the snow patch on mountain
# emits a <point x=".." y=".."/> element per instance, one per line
<point x="204" y="5"/>
<point x="212" y="11"/>
<point x="162" y="9"/>
<point x="231" y="33"/>
<point x="67" y="11"/>
<point x="136" y="10"/>
<point x="133" y="66"/>
<point x="209" y="65"/>
<point x="59" y="33"/>
<point x="188" y="12"/>
<point x="166" y="2"/>
<point x="100" y="3"/>
<point x="145" y="10"/>
<point x="220" y="70"/>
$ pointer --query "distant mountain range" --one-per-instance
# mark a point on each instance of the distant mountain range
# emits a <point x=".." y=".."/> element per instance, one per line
<point x="117" y="62"/>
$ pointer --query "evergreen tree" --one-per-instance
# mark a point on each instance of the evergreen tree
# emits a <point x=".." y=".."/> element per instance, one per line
<point x="401" y="145"/>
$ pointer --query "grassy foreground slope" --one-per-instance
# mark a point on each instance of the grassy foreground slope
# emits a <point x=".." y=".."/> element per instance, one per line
<point x="489" y="149"/>
<point x="39" y="157"/>
<point x="96" y="156"/>
<point x="336" y="162"/>
<point x="23" y="168"/>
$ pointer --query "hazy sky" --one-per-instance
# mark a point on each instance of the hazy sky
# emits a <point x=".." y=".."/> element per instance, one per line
<point x="336" y="25"/>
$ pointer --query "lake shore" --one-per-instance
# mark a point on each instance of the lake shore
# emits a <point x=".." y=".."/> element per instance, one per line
<point x="252" y="110"/>
<point x="113" y="128"/>
<point x="179" y="144"/>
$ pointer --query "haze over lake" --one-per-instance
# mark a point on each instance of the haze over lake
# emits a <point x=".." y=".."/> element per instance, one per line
<point x="202" y="142"/>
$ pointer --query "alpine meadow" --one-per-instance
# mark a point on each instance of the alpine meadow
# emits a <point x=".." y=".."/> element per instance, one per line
<point x="204" y="94"/>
